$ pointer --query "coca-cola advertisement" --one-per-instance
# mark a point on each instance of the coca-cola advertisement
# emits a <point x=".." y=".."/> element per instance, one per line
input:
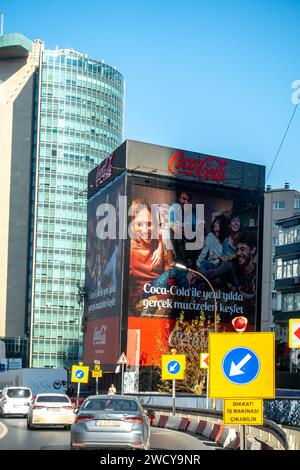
<point x="190" y="252"/>
<point x="104" y="253"/>
<point x="101" y="340"/>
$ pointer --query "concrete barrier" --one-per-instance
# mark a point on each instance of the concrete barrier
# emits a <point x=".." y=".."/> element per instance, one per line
<point x="207" y="430"/>
<point x="174" y="422"/>
<point x="216" y="431"/>
<point x="201" y="426"/>
<point x="227" y="436"/>
<point x="194" y="422"/>
<point x="184" y="424"/>
<point x="162" y="422"/>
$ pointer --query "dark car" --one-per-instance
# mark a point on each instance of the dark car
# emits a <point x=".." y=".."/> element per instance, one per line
<point x="110" y="422"/>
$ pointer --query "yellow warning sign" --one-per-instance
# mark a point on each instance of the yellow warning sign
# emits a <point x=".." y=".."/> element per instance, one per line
<point x="246" y="411"/>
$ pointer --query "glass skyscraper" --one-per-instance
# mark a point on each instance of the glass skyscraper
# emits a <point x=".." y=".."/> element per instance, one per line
<point x="66" y="117"/>
<point x="79" y="121"/>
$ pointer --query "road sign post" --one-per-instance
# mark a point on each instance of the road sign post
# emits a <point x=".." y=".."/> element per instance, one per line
<point x="173" y="368"/>
<point x="204" y="364"/>
<point x="80" y="374"/>
<point x="122" y="361"/>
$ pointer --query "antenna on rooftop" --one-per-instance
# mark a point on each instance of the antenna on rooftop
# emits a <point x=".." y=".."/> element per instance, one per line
<point x="1" y="24"/>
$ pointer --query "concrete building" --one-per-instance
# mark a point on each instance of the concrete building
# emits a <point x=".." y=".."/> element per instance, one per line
<point x="280" y="204"/>
<point x="287" y="285"/>
<point x="61" y="113"/>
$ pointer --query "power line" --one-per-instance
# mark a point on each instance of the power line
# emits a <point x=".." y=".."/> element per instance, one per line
<point x="282" y="141"/>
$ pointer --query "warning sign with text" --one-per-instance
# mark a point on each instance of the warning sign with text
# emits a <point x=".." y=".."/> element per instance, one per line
<point x="247" y="411"/>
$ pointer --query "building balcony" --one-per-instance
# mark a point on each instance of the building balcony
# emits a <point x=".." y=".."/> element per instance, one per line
<point x="282" y="316"/>
<point x="289" y="249"/>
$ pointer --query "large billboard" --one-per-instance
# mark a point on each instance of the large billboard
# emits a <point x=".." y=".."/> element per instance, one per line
<point x="103" y="278"/>
<point x="214" y="233"/>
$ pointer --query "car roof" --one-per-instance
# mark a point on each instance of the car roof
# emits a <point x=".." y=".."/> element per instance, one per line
<point x="118" y="397"/>
<point x="22" y="388"/>
<point x="51" y="395"/>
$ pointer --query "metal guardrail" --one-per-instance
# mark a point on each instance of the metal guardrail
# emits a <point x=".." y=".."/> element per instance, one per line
<point x="268" y="426"/>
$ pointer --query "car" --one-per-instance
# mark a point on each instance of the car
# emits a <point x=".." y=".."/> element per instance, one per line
<point x="51" y="409"/>
<point x="106" y="421"/>
<point x="15" y="401"/>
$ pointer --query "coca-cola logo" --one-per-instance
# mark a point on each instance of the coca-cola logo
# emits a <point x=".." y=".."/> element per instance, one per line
<point x="99" y="336"/>
<point x="104" y="170"/>
<point x="209" y="168"/>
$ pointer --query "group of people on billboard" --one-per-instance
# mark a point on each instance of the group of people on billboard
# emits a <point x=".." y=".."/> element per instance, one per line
<point x="222" y="245"/>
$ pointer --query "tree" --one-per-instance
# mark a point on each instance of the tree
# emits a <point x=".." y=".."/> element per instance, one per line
<point x="189" y="337"/>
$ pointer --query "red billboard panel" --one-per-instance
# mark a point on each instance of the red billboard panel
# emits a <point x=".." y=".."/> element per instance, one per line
<point x="101" y="340"/>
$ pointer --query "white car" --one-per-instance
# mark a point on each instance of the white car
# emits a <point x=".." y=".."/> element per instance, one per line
<point x="50" y="409"/>
<point x="15" y="401"/>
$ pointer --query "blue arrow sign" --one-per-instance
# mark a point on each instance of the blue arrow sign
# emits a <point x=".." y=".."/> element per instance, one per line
<point x="241" y="365"/>
<point x="79" y="374"/>
<point x="173" y="367"/>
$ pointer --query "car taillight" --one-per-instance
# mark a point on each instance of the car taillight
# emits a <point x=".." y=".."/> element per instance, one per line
<point x="67" y="407"/>
<point x="36" y="407"/>
<point x="134" y="419"/>
<point x="4" y="400"/>
<point x="84" y="418"/>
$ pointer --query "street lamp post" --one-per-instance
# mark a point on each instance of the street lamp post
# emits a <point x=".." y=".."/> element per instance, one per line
<point x="182" y="266"/>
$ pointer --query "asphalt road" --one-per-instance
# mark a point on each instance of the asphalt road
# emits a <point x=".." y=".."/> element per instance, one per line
<point x="15" y="436"/>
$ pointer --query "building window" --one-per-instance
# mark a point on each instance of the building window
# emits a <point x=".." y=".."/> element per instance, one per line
<point x="279" y="205"/>
<point x="274" y="241"/>
<point x="289" y="235"/>
<point x="290" y="302"/>
<point x="274" y="294"/>
<point x="287" y="269"/>
<point x="297" y="202"/>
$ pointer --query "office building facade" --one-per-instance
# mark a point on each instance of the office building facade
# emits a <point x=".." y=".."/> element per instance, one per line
<point x="280" y="203"/>
<point x="74" y="118"/>
<point x="287" y="285"/>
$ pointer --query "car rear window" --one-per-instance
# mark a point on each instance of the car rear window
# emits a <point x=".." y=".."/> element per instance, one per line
<point x="52" y="399"/>
<point x="18" y="392"/>
<point x="110" y="404"/>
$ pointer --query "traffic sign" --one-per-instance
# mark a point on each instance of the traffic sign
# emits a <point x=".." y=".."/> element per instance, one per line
<point x="122" y="359"/>
<point x="97" y="374"/>
<point x="246" y="412"/>
<point x="204" y="360"/>
<point x="294" y="333"/>
<point x="242" y="365"/>
<point x="80" y="374"/>
<point x="173" y="366"/>
<point x="97" y="367"/>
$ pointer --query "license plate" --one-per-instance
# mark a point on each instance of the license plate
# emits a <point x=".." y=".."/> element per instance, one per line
<point x="57" y="410"/>
<point x="107" y="422"/>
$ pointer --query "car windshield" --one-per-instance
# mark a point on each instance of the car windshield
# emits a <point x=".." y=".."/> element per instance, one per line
<point x="110" y="405"/>
<point x="52" y="399"/>
<point x="18" y="392"/>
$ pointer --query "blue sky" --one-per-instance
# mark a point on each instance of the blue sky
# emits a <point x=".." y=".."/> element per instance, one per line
<point x="208" y="76"/>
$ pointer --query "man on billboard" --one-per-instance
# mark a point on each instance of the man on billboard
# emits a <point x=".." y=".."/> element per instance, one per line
<point x="241" y="271"/>
<point x="180" y="223"/>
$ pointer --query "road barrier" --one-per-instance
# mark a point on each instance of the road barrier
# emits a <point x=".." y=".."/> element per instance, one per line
<point x="208" y="424"/>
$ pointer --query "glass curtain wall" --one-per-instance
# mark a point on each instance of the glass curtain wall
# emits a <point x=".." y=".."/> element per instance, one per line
<point x="81" y="121"/>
